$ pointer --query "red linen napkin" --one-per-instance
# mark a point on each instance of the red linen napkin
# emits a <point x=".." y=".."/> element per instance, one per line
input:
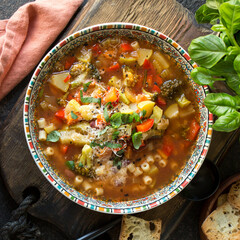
<point x="26" y="36"/>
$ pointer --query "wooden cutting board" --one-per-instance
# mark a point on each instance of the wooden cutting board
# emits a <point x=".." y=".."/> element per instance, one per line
<point x="17" y="166"/>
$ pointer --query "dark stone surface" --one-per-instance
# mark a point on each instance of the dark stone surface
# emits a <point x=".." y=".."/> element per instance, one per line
<point x="188" y="228"/>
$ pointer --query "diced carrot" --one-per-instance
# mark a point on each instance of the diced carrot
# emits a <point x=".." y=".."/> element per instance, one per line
<point x="146" y="64"/>
<point x="167" y="149"/>
<point x="114" y="67"/>
<point x="112" y="95"/>
<point x="141" y="98"/>
<point x="100" y="117"/>
<point x="126" y="47"/>
<point x="145" y="126"/>
<point x="60" y="114"/>
<point x="156" y="88"/>
<point x="64" y="148"/>
<point x="162" y="154"/>
<point x="67" y="78"/>
<point x="193" y="131"/>
<point x="69" y="62"/>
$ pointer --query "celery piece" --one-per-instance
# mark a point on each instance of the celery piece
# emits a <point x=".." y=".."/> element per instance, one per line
<point x="157" y="114"/>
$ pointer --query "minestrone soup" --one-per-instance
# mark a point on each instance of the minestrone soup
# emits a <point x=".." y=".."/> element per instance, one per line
<point x="117" y="119"/>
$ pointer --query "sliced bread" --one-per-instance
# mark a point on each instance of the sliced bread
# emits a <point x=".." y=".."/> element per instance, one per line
<point x="234" y="195"/>
<point x="223" y="223"/>
<point x="221" y="199"/>
<point x="134" y="228"/>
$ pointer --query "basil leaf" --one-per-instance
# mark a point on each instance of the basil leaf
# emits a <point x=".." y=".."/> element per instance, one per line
<point x="207" y="50"/>
<point x="90" y="99"/>
<point x="236" y="64"/>
<point x="221" y="103"/>
<point x="142" y="113"/>
<point x="116" y="120"/>
<point x="206" y="14"/>
<point x="73" y="115"/>
<point x="203" y="76"/>
<point x="230" y="15"/>
<point x="103" y="131"/>
<point x="70" y="165"/>
<point x="137" y="140"/>
<point x="86" y="85"/>
<point x="105" y="111"/>
<point x="113" y="145"/>
<point x="228" y="122"/>
<point x="214" y="4"/>
<point x="115" y="135"/>
<point x="53" y="136"/>
<point x="218" y="28"/>
<point x="233" y="81"/>
<point x="120" y="152"/>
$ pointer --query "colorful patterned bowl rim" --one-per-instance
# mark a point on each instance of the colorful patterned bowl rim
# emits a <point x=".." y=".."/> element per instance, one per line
<point x="162" y="195"/>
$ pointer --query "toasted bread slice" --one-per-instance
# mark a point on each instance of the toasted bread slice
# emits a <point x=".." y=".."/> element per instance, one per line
<point x="135" y="228"/>
<point x="223" y="223"/>
<point x="234" y="195"/>
<point x="221" y="199"/>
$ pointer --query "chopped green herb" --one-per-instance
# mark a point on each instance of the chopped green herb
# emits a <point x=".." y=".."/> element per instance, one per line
<point x="117" y="162"/>
<point x="89" y="99"/>
<point x="103" y="131"/>
<point x="142" y="113"/>
<point x="80" y="164"/>
<point x="86" y="85"/>
<point x="137" y="140"/>
<point x="105" y="111"/>
<point x="115" y="135"/>
<point x="53" y="136"/>
<point x="73" y="115"/>
<point x="70" y="165"/>
<point x="120" y="152"/>
<point x="116" y="120"/>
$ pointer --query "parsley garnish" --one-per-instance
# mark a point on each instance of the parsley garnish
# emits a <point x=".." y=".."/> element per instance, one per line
<point x="89" y="99"/>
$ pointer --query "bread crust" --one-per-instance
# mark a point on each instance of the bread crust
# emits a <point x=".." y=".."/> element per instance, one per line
<point x="234" y="195"/>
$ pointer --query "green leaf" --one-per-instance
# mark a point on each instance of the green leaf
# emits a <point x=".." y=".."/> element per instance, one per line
<point x="214" y="4"/>
<point x="206" y="15"/>
<point x="105" y="111"/>
<point x="228" y="122"/>
<point x="203" y="76"/>
<point x="142" y="113"/>
<point x="73" y="115"/>
<point x="236" y="64"/>
<point x="90" y="99"/>
<point x="115" y="135"/>
<point x="116" y="120"/>
<point x="117" y="162"/>
<point x="221" y="103"/>
<point x="207" y="50"/>
<point x="53" y="136"/>
<point x="225" y="38"/>
<point x="137" y="140"/>
<point x="86" y="85"/>
<point x="103" y="131"/>
<point x="106" y="144"/>
<point x="223" y="67"/>
<point x="233" y="81"/>
<point x="218" y="28"/>
<point x="70" y="165"/>
<point x="230" y="15"/>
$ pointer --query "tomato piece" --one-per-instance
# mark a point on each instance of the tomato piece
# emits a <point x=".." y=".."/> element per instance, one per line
<point x="161" y="101"/>
<point x="69" y="62"/>
<point x="114" y="67"/>
<point x="67" y="78"/>
<point x="158" y="80"/>
<point x="64" y="148"/>
<point x="126" y="47"/>
<point x="193" y="131"/>
<point x="156" y="88"/>
<point x="96" y="49"/>
<point x="60" y="114"/>
<point x="167" y="149"/>
<point x="112" y="95"/>
<point x="145" y="126"/>
<point x="150" y="81"/>
<point x="146" y="64"/>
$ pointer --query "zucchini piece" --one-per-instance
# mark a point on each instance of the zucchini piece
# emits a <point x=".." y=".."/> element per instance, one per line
<point x="72" y="137"/>
<point x="143" y="54"/>
<point x="123" y="98"/>
<point x="157" y="114"/>
<point x="127" y="60"/>
<point x="79" y="80"/>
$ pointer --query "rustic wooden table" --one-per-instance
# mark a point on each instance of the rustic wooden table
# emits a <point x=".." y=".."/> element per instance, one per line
<point x="167" y="16"/>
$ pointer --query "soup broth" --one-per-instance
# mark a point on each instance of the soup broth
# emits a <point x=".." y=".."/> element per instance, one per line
<point x="117" y="119"/>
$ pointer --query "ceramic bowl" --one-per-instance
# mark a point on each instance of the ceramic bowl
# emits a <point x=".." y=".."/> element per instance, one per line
<point x="168" y="46"/>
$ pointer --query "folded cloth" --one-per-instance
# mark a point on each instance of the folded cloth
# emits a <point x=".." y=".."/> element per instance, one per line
<point x="26" y="36"/>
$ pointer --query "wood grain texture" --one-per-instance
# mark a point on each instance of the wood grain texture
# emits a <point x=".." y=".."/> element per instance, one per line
<point x="17" y="166"/>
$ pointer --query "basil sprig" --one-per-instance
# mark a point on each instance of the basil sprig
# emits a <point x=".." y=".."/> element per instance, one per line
<point x="106" y="144"/>
<point x="218" y="58"/>
<point x="137" y="140"/>
<point x="53" y="136"/>
<point x="86" y="85"/>
<point x="89" y="99"/>
<point x="73" y="115"/>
